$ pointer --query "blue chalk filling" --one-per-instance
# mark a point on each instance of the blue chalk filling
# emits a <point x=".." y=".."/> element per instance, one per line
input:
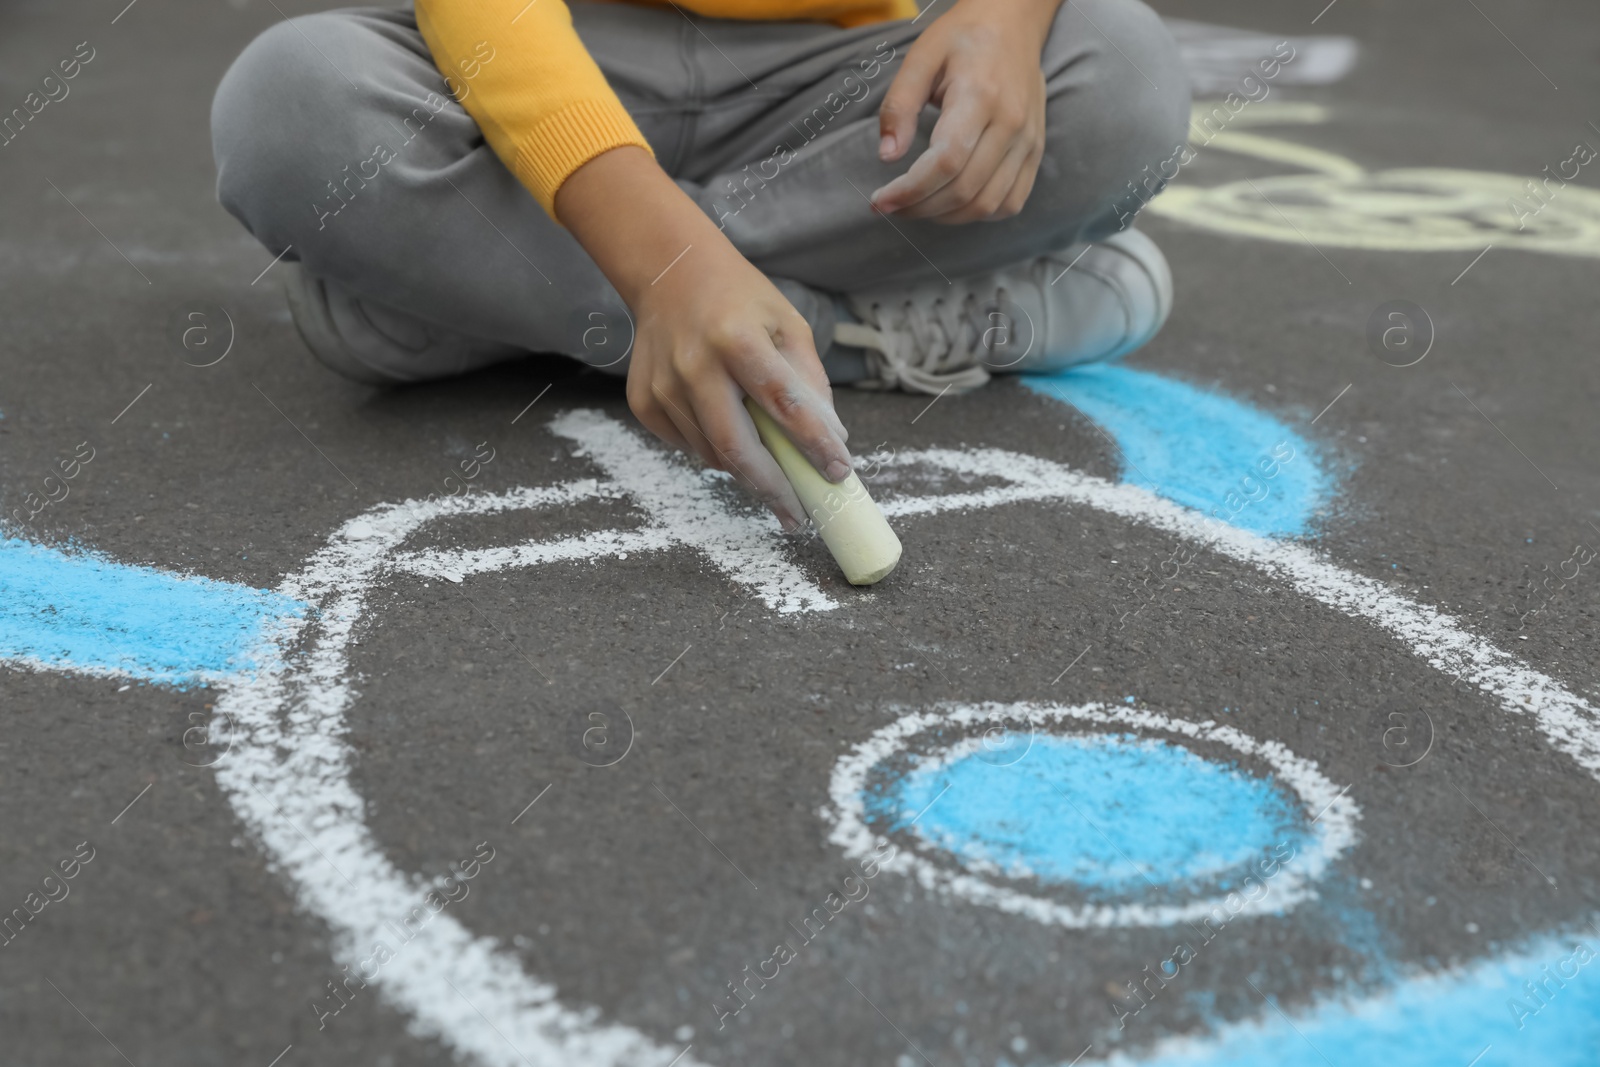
<point x="1196" y="447"/>
<point x="1485" y="1014"/>
<point x="83" y="611"/>
<point x="1110" y="814"/>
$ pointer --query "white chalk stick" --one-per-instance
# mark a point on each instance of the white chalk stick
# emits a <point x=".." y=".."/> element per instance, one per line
<point x="851" y="525"/>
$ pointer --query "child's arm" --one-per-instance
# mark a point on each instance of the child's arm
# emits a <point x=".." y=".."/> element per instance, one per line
<point x="979" y="63"/>
<point x="710" y="328"/>
<point x="521" y="72"/>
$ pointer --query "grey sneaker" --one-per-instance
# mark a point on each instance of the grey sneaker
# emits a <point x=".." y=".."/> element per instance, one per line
<point x="1088" y="302"/>
<point x="375" y="345"/>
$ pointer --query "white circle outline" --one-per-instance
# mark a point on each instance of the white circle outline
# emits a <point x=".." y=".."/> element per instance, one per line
<point x="1332" y="831"/>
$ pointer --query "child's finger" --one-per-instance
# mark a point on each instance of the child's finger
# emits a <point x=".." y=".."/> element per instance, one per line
<point x="987" y="159"/>
<point x="995" y="194"/>
<point x="955" y="137"/>
<point x="647" y="408"/>
<point x="903" y="103"/>
<point x="733" y="437"/>
<point x="1018" y="197"/>
<point x="800" y="352"/>
<point x="805" y="417"/>
<point x="659" y="423"/>
<point x="679" y="411"/>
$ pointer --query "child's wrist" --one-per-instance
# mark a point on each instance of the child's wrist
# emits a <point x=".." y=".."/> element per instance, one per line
<point x="633" y="220"/>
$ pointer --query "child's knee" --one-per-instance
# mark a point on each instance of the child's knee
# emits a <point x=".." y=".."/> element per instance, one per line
<point x="278" y="112"/>
<point x="1126" y="122"/>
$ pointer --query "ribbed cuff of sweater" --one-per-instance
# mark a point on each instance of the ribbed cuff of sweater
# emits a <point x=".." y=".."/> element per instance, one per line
<point x="566" y="140"/>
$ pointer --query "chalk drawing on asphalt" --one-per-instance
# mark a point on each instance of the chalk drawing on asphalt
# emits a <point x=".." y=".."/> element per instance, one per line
<point x="1338" y="203"/>
<point x="288" y="774"/>
<point x="959" y="787"/>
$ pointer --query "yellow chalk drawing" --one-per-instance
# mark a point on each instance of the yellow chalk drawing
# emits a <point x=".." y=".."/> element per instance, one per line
<point x="1340" y="203"/>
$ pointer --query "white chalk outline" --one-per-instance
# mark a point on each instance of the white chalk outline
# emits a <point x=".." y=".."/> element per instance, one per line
<point x="685" y="507"/>
<point x="288" y="776"/>
<point x="1570" y="723"/>
<point x="1331" y="834"/>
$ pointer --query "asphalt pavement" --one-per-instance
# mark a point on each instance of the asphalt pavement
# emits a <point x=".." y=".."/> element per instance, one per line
<point x="630" y="894"/>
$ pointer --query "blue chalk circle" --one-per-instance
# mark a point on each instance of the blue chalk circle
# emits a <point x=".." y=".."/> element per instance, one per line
<point x="84" y="612"/>
<point x="1113" y="815"/>
<point x="1205" y="450"/>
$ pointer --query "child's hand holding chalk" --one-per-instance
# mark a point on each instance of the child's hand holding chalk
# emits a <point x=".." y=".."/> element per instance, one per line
<point x="708" y="327"/>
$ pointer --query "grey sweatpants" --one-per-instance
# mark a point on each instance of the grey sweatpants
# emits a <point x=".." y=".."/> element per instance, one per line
<point x="336" y="138"/>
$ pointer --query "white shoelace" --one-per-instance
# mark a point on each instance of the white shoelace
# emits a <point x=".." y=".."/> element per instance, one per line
<point x="907" y="348"/>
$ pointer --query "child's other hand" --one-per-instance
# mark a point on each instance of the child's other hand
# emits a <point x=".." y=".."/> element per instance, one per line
<point x="979" y="63"/>
<point x="711" y="331"/>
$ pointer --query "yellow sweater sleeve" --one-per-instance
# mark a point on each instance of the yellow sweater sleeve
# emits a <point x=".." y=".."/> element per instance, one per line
<point x="543" y="104"/>
<point x="522" y="73"/>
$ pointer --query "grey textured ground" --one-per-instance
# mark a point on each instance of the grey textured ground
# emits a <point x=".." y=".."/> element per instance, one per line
<point x="182" y="948"/>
